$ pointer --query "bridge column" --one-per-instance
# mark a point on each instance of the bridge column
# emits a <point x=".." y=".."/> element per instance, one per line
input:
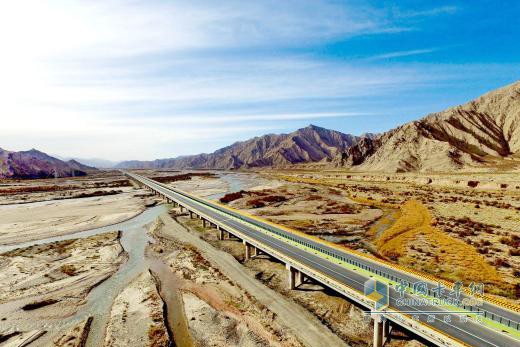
<point x="248" y="250"/>
<point x="191" y="215"/>
<point x="203" y="223"/>
<point x="256" y="251"/>
<point x="301" y="278"/>
<point x="220" y="234"/>
<point x="292" y="276"/>
<point x="378" y="330"/>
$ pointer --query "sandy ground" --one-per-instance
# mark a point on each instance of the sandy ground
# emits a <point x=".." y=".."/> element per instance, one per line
<point x="202" y="186"/>
<point x="74" y="337"/>
<point x="33" y="221"/>
<point x="221" y="301"/>
<point x="47" y="283"/>
<point x="224" y="304"/>
<point x="18" y="339"/>
<point x="315" y="210"/>
<point x="136" y="318"/>
<point x="96" y="184"/>
<point x="225" y="182"/>
<point x="337" y="313"/>
<point x="479" y="210"/>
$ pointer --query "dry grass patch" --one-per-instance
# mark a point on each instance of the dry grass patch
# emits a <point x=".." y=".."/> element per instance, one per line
<point x="68" y="269"/>
<point x="413" y="241"/>
<point x="157" y="336"/>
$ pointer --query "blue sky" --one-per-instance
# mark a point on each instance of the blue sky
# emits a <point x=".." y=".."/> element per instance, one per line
<point x="152" y="79"/>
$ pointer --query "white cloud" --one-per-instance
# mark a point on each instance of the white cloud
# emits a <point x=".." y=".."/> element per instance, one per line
<point x="436" y="11"/>
<point x="134" y="79"/>
<point x="400" y="54"/>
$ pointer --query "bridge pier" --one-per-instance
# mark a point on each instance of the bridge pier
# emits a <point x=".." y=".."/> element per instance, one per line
<point x="220" y="234"/>
<point x="292" y="276"/>
<point x="191" y="215"/>
<point x="300" y="278"/>
<point x="248" y="250"/>
<point x="203" y="223"/>
<point x="381" y="330"/>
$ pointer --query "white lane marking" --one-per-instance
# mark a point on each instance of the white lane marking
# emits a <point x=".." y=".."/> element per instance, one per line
<point x="244" y="224"/>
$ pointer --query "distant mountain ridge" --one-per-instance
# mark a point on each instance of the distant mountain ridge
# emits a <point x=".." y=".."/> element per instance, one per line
<point x="36" y="164"/>
<point x="307" y="145"/>
<point x="482" y="133"/>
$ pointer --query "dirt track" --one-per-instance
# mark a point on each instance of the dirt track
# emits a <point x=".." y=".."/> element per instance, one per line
<point x="308" y="329"/>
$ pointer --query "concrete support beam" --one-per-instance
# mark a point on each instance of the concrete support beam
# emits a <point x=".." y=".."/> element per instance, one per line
<point x="203" y="223"/>
<point x="292" y="277"/>
<point x="191" y="215"/>
<point x="301" y="278"/>
<point x="256" y="251"/>
<point x="248" y="250"/>
<point x="220" y="234"/>
<point x="379" y="330"/>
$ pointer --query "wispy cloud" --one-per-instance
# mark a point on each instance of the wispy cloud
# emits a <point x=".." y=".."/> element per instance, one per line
<point x="144" y="79"/>
<point x="435" y="11"/>
<point x="400" y="54"/>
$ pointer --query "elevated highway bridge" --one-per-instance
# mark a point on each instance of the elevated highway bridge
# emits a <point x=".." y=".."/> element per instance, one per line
<point x="486" y="324"/>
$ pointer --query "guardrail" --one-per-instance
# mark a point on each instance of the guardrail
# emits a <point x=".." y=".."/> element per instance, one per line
<point x="425" y="331"/>
<point x="317" y="245"/>
<point x="340" y="287"/>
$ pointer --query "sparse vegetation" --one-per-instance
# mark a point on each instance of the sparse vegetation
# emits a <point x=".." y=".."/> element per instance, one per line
<point x="157" y="336"/>
<point x="226" y="199"/>
<point x="68" y="269"/>
<point x="455" y="260"/>
<point x="38" y="304"/>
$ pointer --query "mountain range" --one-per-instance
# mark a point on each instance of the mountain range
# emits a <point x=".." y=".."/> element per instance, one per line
<point x="482" y="133"/>
<point x="306" y="145"/>
<point x="479" y="135"/>
<point x="36" y="164"/>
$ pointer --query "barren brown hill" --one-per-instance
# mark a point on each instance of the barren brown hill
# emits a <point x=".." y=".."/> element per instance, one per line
<point x="36" y="164"/>
<point x="306" y="145"/>
<point x="482" y="133"/>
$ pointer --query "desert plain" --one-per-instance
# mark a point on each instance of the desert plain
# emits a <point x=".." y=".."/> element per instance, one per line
<point x="99" y="261"/>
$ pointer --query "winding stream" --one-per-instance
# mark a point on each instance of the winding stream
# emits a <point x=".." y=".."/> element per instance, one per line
<point x="134" y="239"/>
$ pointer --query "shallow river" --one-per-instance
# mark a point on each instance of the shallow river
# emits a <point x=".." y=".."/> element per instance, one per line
<point x="134" y="239"/>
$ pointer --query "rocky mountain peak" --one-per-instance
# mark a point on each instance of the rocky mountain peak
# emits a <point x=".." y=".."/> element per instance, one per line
<point x="483" y="132"/>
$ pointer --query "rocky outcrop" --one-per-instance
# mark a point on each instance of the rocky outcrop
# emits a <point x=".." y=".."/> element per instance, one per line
<point x="307" y="145"/>
<point x="36" y="164"/>
<point x="481" y="133"/>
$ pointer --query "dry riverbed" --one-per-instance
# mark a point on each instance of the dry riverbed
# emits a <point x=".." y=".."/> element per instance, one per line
<point x="47" y="283"/>
<point x="136" y="318"/>
<point x="26" y="222"/>
<point x="340" y="315"/>
<point x="217" y="311"/>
